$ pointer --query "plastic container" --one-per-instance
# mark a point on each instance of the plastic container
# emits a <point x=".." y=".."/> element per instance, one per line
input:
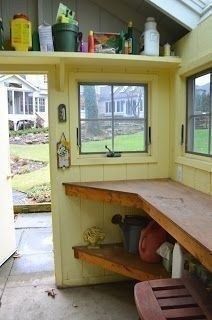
<point x="21" y="34"/>
<point x="91" y="46"/>
<point x="177" y="262"/>
<point x="65" y="37"/>
<point x="45" y="38"/>
<point x="167" y="50"/>
<point x="151" y="38"/>
<point x="151" y="239"/>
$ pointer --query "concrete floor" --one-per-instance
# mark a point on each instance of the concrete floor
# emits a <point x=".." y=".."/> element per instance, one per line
<point x="25" y="280"/>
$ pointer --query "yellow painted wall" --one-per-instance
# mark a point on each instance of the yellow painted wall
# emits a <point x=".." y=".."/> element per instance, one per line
<point x="195" y="49"/>
<point x="71" y="216"/>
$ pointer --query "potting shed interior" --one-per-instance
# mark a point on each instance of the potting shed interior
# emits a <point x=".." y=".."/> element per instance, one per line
<point x="168" y="180"/>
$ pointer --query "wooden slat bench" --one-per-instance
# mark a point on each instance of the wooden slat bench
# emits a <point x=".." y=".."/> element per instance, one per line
<point x="174" y="299"/>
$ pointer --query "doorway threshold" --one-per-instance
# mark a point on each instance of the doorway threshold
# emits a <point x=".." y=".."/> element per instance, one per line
<point x="32" y="208"/>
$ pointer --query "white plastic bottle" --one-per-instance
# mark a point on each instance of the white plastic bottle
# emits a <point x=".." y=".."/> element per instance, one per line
<point x="151" y="38"/>
<point x="177" y="261"/>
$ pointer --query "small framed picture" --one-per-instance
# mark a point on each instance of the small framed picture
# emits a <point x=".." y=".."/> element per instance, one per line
<point x="62" y="113"/>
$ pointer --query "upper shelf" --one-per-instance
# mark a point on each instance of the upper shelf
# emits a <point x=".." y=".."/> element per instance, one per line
<point x="78" y="59"/>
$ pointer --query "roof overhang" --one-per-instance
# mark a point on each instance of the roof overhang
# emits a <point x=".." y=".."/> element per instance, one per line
<point x="188" y="13"/>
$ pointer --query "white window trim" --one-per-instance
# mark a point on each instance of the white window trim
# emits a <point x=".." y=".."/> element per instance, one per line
<point x="93" y="159"/>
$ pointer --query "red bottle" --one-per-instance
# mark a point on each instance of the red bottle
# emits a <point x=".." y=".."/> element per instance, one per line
<point x="90" y="42"/>
<point x="150" y="240"/>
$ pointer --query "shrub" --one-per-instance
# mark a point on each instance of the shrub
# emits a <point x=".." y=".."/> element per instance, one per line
<point x="27" y="131"/>
<point x="40" y="193"/>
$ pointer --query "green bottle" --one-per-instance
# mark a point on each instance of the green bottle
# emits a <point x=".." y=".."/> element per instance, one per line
<point x="130" y="38"/>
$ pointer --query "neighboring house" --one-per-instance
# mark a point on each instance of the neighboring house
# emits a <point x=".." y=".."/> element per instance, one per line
<point x="128" y="101"/>
<point x="27" y="103"/>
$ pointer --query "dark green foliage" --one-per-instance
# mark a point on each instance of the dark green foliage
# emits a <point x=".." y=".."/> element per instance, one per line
<point x="91" y="110"/>
<point x="26" y="131"/>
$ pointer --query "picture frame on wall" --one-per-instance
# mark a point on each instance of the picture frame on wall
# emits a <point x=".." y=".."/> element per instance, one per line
<point x="63" y="153"/>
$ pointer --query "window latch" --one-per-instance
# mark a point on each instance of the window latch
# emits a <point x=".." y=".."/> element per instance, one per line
<point x="77" y="134"/>
<point x="182" y="135"/>
<point x="112" y="154"/>
<point x="150" y="135"/>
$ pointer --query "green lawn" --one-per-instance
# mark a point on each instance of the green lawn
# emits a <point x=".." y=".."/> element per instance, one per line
<point x="24" y="182"/>
<point x="39" y="152"/>
<point x="201" y="141"/>
<point x="128" y="142"/>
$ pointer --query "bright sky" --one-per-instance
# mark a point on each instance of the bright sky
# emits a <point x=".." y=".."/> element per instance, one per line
<point x="202" y="80"/>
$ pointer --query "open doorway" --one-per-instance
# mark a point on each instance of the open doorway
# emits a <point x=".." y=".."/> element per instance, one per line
<point x="26" y="97"/>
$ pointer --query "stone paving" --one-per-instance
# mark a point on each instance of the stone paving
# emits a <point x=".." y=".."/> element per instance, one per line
<point x="26" y="281"/>
<point x="19" y="197"/>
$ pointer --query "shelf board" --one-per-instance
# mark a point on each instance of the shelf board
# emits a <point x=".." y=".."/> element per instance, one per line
<point x="78" y="59"/>
<point x="114" y="258"/>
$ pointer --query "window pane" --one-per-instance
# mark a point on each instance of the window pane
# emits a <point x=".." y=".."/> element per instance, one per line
<point x="41" y="105"/>
<point x="202" y="94"/>
<point x="129" y="100"/>
<point x="129" y="135"/>
<point x="95" y="135"/>
<point x="10" y="102"/>
<point x="201" y="134"/>
<point x="112" y="115"/>
<point x="199" y="114"/>
<point x="95" y="101"/>
<point x="28" y="103"/>
<point x="18" y="102"/>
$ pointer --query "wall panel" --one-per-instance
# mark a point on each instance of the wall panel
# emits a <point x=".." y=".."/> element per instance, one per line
<point x="9" y="8"/>
<point x="195" y="50"/>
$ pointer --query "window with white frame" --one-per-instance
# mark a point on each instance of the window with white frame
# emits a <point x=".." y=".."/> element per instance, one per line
<point x="105" y="120"/>
<point x="36" y="104"/>
<point x="40" y="104"/>
<point x="199" y="114"/>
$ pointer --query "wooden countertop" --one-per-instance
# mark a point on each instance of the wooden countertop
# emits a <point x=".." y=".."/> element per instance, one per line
<point x="184" y="212"/>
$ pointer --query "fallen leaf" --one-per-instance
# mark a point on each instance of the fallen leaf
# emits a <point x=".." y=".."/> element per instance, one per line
<point x="51" y="293"/>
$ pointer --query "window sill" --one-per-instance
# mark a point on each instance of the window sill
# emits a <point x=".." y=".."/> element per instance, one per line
<point x="102" y="159"/>
<point x="198" y="162"/>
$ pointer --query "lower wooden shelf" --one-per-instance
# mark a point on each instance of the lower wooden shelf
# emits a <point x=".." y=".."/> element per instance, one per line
<point x="114" y="258"/>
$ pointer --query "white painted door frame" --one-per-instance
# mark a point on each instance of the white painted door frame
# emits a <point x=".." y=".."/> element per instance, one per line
<point x="7" y="228"/>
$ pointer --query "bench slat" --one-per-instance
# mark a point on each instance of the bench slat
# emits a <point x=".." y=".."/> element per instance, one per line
<point x="184" y="314"/>
<point x="171" y="293"/>
<point x="177" y="302"/>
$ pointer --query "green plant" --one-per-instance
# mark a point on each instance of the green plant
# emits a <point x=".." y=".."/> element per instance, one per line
<point x="27" y="131"/>
<point x="40" y="193"/>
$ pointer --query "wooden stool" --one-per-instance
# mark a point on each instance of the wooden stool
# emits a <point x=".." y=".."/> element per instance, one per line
<point x="172" y="299"/>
